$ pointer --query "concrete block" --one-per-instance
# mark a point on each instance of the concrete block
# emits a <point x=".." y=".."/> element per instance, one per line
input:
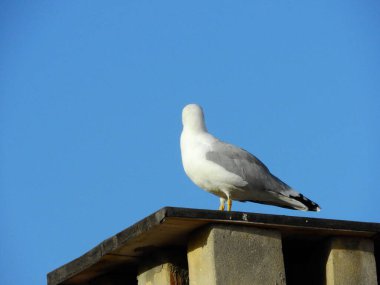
<point x="230" y="255"/>
<point x="351" y="261"/>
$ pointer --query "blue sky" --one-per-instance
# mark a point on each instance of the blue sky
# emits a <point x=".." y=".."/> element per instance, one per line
<point x="91" y="94"/>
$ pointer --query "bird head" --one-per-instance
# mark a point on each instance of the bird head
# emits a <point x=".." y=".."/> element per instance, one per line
<point x="193" y="118"/>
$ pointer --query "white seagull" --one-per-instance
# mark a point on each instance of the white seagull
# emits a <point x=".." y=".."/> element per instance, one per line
<point x="230" y="172"/>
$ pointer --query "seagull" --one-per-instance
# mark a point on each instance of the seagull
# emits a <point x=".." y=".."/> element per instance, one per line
<point x="230" y="172"/>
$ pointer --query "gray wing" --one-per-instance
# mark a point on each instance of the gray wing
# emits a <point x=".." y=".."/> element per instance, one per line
<point x="266" y="188"/>
<point x="245" y="165"/>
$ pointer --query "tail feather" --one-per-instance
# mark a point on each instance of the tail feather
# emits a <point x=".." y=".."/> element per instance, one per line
<point x="292" y="198"/>
<point x="310" y="205"/>
<point x="293" y="202"/>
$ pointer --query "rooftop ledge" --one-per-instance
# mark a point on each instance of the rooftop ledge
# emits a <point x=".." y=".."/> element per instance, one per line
<point x="171" y="227"/>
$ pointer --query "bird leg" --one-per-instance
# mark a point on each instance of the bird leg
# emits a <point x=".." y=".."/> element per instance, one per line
<point x="221" y="207"/>
<point x="229" y="204"/>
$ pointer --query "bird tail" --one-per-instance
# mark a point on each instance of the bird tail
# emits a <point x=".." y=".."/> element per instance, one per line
<point x="291" y="199"/>
<point x="307" y="203"/>
<point x="293" y="202"/>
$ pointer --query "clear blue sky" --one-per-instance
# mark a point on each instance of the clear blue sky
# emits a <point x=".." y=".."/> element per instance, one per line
<point x="91" y="100"/>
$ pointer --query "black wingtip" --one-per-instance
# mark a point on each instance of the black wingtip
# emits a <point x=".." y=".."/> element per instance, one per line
<point x="311" y="206"/>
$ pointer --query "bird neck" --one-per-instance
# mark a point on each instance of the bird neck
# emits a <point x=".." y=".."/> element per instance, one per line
<point x="197" y="125"/>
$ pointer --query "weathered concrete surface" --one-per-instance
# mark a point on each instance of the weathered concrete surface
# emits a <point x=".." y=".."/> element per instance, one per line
<point x="164" y="268"/>
<point x="230" y="255"/>
<point x="351" y="261"/>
